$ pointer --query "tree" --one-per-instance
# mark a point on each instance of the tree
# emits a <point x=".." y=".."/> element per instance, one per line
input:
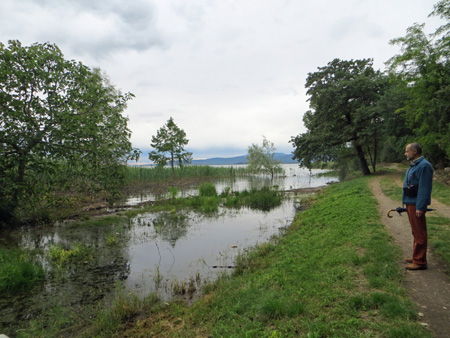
<point x="424" y="65"/>
<point x="169" y="145"/>
<point x="60" y="124"/>
<point x="261" y="159"/>
<point x="343" y="97"/>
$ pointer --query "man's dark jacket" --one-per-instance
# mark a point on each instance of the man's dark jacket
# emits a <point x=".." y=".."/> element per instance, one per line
<point x="420" y="173"/>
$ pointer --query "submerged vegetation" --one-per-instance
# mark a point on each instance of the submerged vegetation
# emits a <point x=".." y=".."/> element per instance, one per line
<point x="19" y="271"/>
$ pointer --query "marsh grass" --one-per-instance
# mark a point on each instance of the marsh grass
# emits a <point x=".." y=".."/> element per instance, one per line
<point x="18" y="270"/>
<point x="333" y="274"/>
<point x="146" y="174"/>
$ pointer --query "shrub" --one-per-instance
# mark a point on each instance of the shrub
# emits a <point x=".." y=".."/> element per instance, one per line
<point x="207" y="190"/>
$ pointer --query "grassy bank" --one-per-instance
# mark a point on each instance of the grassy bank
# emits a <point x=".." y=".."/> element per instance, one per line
<point x="334" y="274"/>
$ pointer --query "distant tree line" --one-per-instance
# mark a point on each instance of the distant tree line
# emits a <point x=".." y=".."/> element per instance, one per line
<point x="359" y="113"/>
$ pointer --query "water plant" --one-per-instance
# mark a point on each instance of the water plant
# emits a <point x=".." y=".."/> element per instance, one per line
<point x="207" y="189"/>
<point x="111" y="239"/>
<point x="173" y="192"/>
<point x="157" y="174"/>
<point x="263" y="199"/>
<point x="60" y="257"/>
<point x="18" y="270"/>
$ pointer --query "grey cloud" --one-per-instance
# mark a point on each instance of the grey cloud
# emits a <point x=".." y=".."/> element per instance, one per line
<point x="133" y="25"/>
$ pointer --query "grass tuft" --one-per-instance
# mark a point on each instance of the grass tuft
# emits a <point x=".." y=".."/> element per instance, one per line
<point x="18" y="270"/>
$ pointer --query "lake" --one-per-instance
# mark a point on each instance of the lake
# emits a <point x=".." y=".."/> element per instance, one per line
<point x="170" y="253"/>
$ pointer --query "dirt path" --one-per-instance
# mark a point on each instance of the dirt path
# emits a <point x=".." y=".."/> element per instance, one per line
<point x="429" y="289"/>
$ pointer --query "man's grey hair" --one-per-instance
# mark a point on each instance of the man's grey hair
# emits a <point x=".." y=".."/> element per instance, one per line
<point x="417" y="147"/>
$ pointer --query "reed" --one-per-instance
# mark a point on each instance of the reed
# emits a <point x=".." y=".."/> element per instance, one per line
<point x="157" y="174"/>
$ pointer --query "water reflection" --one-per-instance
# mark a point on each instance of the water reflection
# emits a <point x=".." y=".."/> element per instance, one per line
<point x="293" y="178"/>
<point x="154" y="252"/>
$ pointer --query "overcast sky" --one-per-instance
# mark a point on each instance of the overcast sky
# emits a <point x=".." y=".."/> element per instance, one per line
<point x="227" y="71"/>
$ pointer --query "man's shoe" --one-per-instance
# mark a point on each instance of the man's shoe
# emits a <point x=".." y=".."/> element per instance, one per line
<point x="408" y="260"/>
<point x="413" y="266"/>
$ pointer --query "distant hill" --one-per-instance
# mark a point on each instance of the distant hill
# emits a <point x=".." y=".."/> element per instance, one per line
<point x="283" y="158"/>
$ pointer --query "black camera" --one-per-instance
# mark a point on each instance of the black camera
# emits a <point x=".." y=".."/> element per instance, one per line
<point x="410" y="190"/>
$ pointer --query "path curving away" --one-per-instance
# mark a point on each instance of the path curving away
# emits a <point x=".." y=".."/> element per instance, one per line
<point x="429" y="289"/>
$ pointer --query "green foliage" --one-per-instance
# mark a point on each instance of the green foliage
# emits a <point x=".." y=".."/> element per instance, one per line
<point x="18" y="270"/>
<point x="343" y="98"/>
<point x="173" y="192"/>
<point x="263" y="199"/>
<point x="159" y="174"/>
<point x="261" y="159"/>
<point x="169" y="145"/>
<point x="424" y="65"/>
<point x="207" y="189"/>
<point x="62" y="257"/>
<point x="61" y="128"/>
<point x="111" y="239"/>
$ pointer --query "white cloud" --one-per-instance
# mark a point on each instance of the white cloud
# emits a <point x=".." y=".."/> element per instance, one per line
<point x="228" y="72"/>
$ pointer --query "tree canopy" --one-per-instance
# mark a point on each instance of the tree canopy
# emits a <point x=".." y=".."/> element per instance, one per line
<point x="169" y="143"/>
<point x="60" y="122"/>
<point x="375" y="114"/>
<point x="423" y="65"/>
<point x="343" y="114"/>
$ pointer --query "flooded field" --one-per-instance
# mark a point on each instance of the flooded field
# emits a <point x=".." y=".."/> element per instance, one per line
<point x="171" y="253"/>
<point x="294" y="178"/>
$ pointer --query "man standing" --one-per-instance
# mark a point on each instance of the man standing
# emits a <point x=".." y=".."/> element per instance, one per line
<point x="417" y="196"/>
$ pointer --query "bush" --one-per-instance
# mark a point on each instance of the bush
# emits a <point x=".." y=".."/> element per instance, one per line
<point x="207" y="190"/>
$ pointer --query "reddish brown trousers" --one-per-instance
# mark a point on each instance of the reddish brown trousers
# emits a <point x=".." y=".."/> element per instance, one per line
<point x="419" y="232"/>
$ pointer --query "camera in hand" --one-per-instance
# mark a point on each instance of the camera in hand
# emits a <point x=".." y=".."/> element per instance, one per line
<point x="410" y="190"/>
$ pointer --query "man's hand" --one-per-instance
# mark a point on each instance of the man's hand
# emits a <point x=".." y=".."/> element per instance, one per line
<point x="420" y="213"/>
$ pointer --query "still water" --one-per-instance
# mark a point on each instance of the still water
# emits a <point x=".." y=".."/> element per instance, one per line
<point x="294" y="177"/>
<point x="166" y="252"/>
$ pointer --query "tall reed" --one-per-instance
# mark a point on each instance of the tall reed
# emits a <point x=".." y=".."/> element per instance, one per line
<point x="146" y="174"/>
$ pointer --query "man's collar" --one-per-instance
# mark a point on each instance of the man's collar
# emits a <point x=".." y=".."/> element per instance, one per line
<point x="416" y="161"/>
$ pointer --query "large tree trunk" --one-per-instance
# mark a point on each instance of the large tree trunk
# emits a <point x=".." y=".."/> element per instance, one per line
<point x="362" y="159"/>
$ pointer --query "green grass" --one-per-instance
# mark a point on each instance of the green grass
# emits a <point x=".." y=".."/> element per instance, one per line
<point x="391" y="189"/>
<point x="441" y="192"/>
<point x="439" y="236"/>
<point x="18" y="270"/>
<point x="333" y="274"/>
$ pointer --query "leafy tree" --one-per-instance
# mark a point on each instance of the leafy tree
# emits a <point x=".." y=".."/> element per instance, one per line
<point x="343" y="98"/>
<point x="169" y="145"/>
<point x="261" y="159"/>
<point x="60" y="125"/>
<point x="424" y="65"/>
